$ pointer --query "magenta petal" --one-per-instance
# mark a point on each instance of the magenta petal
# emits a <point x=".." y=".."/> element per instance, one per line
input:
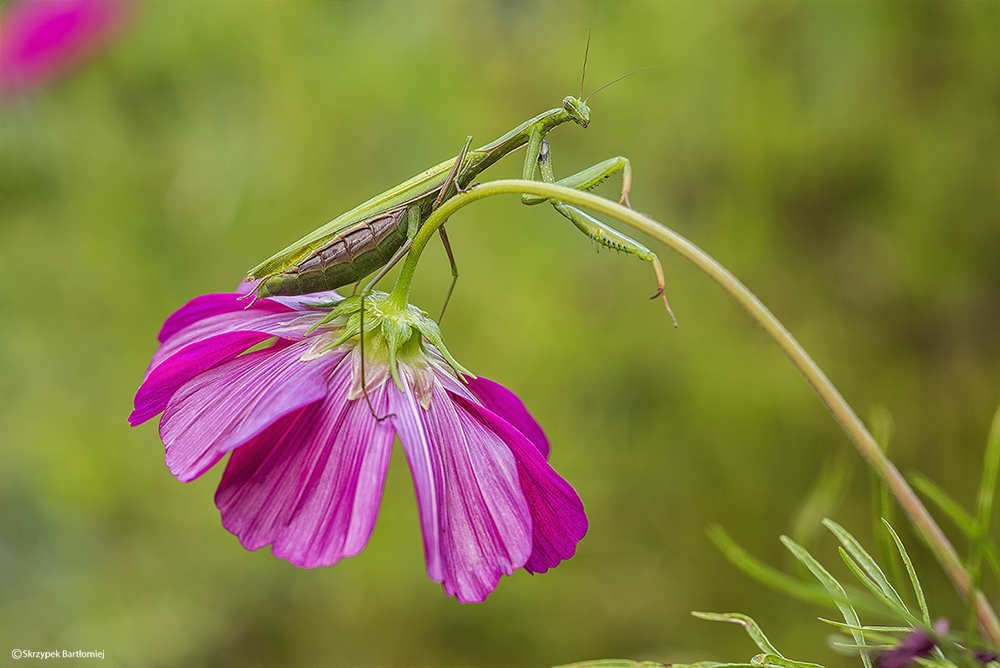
<point x="200" y="346"/>
<point x="272" y="324"/>
<point x="509" y="406"/>
<point x="206" y="306"/>
<point x="163" y="381"/>
<point x="226" y="406"/>
<point x="557" y="517"/>
<point x="310" y="484"/>
<point x="475" y="521"/>
<point x="39" y="38"/>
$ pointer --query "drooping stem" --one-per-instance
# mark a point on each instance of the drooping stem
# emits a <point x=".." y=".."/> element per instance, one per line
<point x="855" y="429"/>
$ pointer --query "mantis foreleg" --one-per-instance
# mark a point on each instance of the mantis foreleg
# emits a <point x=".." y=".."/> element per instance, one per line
<point x="593" y="228"/>
<point x="588" y="179"/>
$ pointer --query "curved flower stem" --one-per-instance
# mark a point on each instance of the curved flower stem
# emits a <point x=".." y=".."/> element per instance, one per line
<point x="925" y="525"/>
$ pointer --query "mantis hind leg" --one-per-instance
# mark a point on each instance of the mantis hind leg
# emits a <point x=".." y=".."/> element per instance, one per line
<point x="453" y="178"/>
<point x="454" y="270"/>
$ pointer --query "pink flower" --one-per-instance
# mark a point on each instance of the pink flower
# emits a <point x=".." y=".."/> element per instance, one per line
<point x="309" y="458"/>
<point x="41" y="38"/>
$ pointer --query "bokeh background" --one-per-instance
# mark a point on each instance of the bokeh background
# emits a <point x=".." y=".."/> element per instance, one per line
<point x="841" y="158"/>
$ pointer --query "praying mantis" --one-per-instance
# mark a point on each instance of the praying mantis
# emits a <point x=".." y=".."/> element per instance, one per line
<point x="376" y="234"/>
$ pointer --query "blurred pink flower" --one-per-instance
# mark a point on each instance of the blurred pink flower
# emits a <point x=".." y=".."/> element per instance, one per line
<point x="39" y="39"/>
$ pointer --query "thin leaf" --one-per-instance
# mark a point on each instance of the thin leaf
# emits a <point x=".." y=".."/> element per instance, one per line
<point x="847" y="645"/>
<point x="914" y="581"/>
<point x="700" y="664"/>
<point x="883" y="428"/>
<point x="831" y="584"/>
<point x="864" y="579"/>
<point x="872" y="586"/>
<point x="628" y="663"/>
<point x="888" y="593"/>
<point x="987" y="489"/>
<point x="764" y="573"/>
<point x="824" y="499"/>
<point x="955" y="512"/>
<point x="991" y="470"/>
<point x="874" y="629"/>
<point x="874" y="635"/>
<point x="752" y="629"/>
<point x="772" y="577"/>
<point x="775" y="660"/>
<point x="962" y="519"/>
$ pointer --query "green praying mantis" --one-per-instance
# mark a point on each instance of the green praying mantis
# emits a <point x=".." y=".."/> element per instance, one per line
<point x="376" y="234"/>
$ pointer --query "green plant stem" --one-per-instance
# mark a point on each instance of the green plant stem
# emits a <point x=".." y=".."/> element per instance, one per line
<point x="925" y="525"/>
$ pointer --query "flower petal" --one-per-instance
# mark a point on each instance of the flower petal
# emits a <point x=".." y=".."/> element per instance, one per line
<point x="558" y="521"/>
<point x="204" y="344"/>
<point x="226" y="406"/>
<point x="39" y="39"/>
<point x="501" y="401"/>
<point x="474" y="517"/>
<point x="206" y="306"/>
<point x="310" y="484"/>
<point x="162" y="381"/>
<point x="286" y="325"/>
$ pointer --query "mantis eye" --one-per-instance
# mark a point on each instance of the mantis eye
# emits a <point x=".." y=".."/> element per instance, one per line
<point x="577" y="109"/>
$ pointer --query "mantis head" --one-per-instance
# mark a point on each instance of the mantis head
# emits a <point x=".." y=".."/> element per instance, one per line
<point x="577" y="110"/>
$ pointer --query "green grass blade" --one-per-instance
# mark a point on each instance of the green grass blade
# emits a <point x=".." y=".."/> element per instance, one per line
<point x="752" y="629"/>
<point x="772" y="577"/>
<point x="914" y="581"/>
<point x="884" y="429"/>
<point x="874" y="635"/>
<point x="831" y="585"/>
<point x="874" y="588"/>
<point x="700" y="664"/>
<point x="628" y="663"/>
<point x="955" y="512"/>
<point x="884" y="590"/>
<point x="710" y="664"/>
<point x="987" y="490"/>
<point x="846" y="645"/>
<point x="962" y="519"/>
<point x="774" y="660"/>
<point x="764" y="573"/>
<point x="867" y="628"/>
<point x="991" y="471"/>
<point x="825" y="498"/>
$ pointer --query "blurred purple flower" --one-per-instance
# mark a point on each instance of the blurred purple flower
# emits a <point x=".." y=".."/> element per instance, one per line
<point x="41" y="38"/>
<point x="985" y="656"/>
<point x="309" y="459"/>
<point x="916" y="644"/>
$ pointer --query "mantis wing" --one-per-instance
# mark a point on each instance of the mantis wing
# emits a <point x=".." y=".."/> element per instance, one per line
<point x="420" y="186"/>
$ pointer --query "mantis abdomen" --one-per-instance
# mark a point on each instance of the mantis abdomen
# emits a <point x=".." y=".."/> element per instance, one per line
<point x="347" y="258"/>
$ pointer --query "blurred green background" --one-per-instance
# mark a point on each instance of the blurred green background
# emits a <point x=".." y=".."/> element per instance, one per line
<point x="841" y="158"/>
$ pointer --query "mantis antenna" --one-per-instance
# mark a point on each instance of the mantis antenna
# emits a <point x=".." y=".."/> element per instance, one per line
<point x="647" y="67"/>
